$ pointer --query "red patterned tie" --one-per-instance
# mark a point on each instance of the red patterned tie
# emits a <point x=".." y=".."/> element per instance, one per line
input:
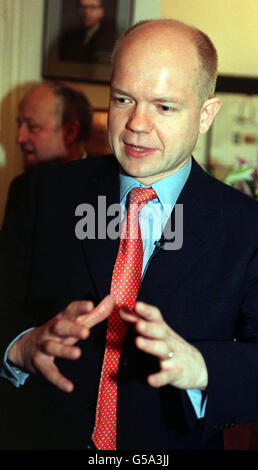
<point x="124" y="288"/>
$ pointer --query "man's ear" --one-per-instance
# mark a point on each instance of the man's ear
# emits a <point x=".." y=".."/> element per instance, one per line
<point x="70" y="131"/>
<point x="208" y="113"/>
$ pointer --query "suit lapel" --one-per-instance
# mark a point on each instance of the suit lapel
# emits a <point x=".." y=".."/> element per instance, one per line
<point x="100" y="251"/>
<point x="201" y="225"/>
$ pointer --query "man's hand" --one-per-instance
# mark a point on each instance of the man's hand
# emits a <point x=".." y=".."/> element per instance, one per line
<point x="36" y="350"/>
<point x="185" y="369"/>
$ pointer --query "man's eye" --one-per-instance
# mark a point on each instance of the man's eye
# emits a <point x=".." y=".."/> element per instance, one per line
<point x="120" y="100"/>
<point x="165" y="108"/>
<point x="34" y="128"/>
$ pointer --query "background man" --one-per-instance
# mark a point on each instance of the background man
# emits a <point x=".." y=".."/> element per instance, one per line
<point x="188" y="361"/>
<point x="54" y="123"/>
<point x="92" y="42"/>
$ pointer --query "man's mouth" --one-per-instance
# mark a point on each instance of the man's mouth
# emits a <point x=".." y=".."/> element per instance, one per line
<point x="138" y="151"/>
<point x="26" y="151"/>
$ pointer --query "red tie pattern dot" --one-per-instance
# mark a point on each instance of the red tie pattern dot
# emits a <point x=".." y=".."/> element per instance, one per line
<point x="124" y="288"/>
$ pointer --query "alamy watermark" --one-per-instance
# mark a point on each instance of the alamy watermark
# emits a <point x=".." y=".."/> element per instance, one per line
<point x="106" y="222"/>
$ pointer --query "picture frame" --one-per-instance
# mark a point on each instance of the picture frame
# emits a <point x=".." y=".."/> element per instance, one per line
<point x="237" y="84"/>
<point x="61" y="19"/>
<point x="233" y="136"/>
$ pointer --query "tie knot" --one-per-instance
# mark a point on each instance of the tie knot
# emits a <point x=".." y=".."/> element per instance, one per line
<point x="141" y="195"/>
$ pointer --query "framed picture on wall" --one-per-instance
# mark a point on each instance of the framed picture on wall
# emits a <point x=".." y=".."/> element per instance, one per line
<point x="79" y="36"/>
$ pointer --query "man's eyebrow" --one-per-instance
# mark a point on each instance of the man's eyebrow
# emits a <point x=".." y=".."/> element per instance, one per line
<point x="168" y="99"/>
<point x="119" y="91"/>
<point x="29" y="121"/>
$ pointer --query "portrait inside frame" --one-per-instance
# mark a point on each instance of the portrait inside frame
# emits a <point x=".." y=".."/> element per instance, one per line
<point x="79" y="37"/>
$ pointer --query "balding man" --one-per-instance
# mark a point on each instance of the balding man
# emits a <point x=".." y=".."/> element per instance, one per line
<point x="54" y="124"/>
<point x="144" y="337"/>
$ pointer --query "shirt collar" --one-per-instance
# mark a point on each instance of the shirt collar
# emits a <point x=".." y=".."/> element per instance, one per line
<point x="167" y="189"/>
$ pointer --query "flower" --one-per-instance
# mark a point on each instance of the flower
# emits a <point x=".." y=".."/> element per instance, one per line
<point x="245" y="178"/>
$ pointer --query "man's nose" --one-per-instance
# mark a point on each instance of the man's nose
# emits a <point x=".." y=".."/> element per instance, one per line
<point x="22" y="134"/>
<point x="140" y="119"/>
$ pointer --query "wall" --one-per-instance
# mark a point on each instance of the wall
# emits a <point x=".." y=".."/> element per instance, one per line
<point x="231" y="24"/>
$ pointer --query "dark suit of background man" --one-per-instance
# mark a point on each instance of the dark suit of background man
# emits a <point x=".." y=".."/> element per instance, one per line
<point x="92" y="42"/>
<point x="189" y="361"/>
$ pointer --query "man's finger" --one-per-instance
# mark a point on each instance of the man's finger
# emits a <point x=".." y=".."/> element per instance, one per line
<point x="77" y="308"/>
<point x="128" y="316"/>
<point x="156" y="348"/>
<point x="100" y="312"/>
<point x="65" y="328"/>
<point x="153" y="330"/>
<point x="149" y="312"/>
<point x="48" y="369"/>
<point x="55" y="349"/>
<point x="159" y="379"/>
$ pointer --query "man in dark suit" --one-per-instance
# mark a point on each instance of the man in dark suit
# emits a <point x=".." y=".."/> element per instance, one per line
<point x="93" y="42"/>
<point x="188" y="364"/>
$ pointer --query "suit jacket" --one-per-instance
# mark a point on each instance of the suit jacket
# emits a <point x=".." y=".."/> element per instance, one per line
<point x="207" y="292"/>
<point x="97" y="50"/>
